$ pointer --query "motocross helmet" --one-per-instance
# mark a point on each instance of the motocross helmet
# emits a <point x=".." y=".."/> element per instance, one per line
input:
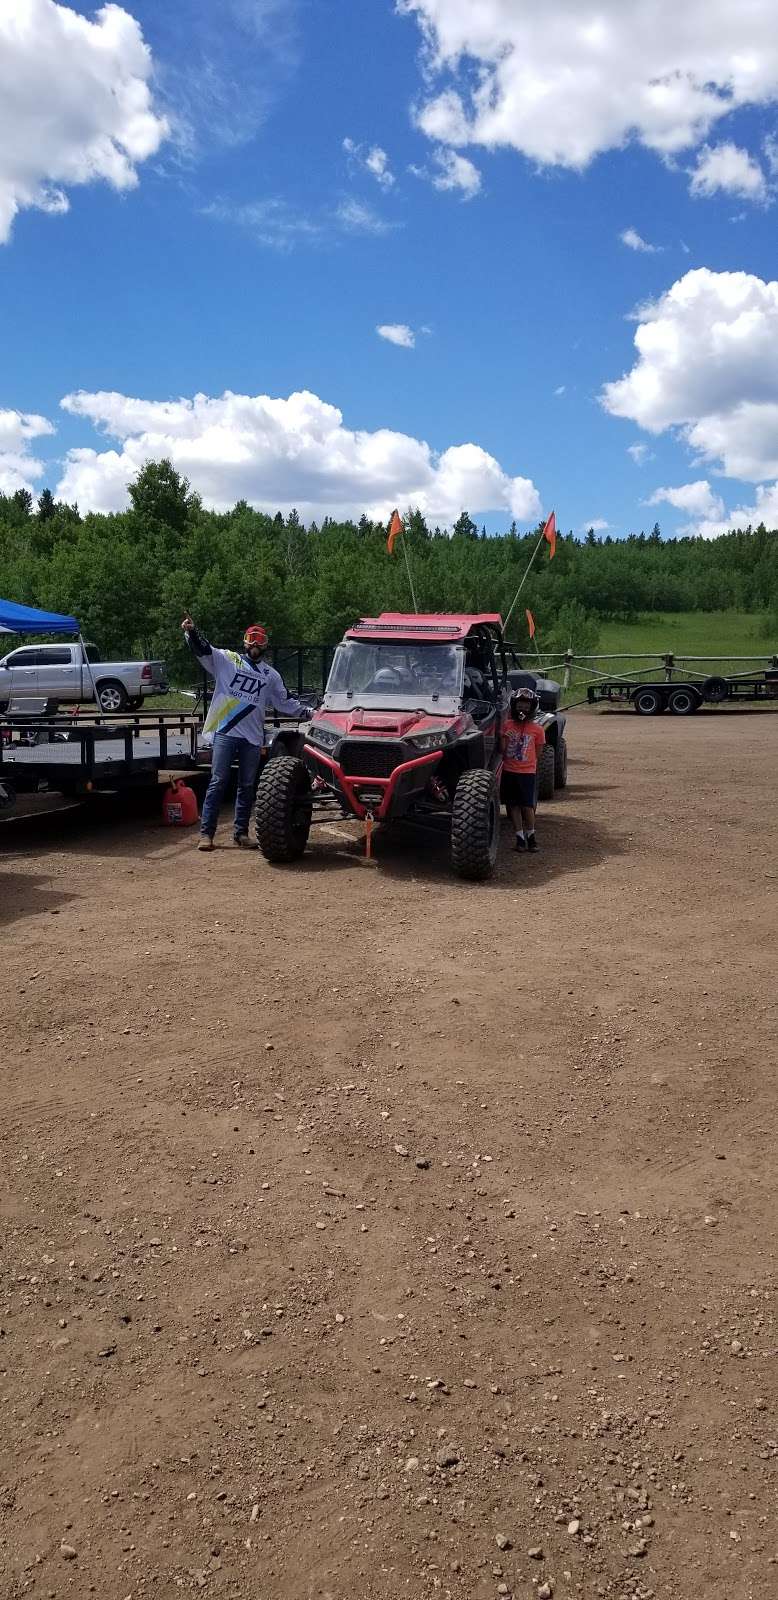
<point x="523" y="704"/>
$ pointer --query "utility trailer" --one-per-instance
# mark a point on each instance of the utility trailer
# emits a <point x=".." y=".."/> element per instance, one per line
<point x="682" y="697"/>
<point x="78" y="757"/>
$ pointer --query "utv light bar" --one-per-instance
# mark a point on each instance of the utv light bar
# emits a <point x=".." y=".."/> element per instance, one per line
<point x="403" y="627"/>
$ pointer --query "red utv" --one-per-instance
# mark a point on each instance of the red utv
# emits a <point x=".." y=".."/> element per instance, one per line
<point x="408" y="730"/>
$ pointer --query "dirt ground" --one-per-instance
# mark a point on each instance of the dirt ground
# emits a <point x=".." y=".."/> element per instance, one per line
<point x="370" y="1235"/>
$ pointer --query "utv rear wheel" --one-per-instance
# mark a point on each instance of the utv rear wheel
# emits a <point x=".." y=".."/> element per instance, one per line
<point x="475" y="825"/>
<point x="546" y="770"/>
<point x="282" y="816"/>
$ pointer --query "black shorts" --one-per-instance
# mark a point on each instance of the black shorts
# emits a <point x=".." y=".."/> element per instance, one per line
<point x="518" y="789"/>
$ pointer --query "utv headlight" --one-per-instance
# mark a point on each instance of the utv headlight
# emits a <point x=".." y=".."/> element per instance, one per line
<point x="429" y="741"/>
<point x="320" y="733"/>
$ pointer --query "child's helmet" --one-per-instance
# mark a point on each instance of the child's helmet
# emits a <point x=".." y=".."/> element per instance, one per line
<point x="524" y="703"/>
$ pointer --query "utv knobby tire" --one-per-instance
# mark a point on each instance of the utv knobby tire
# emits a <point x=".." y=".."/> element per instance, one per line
<point x="475" y="825"/>
<point x="560" y="763"/>
<point x="546" y="771"/>
<point x="282" y="815"/>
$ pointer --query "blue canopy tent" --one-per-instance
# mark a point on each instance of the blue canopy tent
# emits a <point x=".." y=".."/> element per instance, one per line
<point x="26" y="619"/>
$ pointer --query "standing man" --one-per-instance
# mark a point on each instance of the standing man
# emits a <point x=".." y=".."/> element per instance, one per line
<point x="243" y="686"/>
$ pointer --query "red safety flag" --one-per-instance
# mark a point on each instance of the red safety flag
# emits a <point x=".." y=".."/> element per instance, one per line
<point x="530" y="624"/>
<point x="395" y="529"/>
<point x="549" y="533"/>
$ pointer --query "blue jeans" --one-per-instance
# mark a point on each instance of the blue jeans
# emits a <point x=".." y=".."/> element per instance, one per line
<point x="227" y="749"/>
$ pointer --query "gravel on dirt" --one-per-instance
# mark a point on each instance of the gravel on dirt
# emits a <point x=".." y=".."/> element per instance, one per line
<point x="247" y="1349"/>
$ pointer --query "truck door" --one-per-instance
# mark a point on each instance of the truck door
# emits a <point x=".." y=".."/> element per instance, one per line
<point x="59" y="674"/>
<point x="60" y="677"/>
<point x="20" y="681"/>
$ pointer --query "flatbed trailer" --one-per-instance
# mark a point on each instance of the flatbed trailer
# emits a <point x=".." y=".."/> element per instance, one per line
<point x="683" y="696"/>
<point x="78" y="756"/>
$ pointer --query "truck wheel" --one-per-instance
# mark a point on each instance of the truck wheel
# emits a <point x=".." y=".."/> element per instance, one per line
<point x="683" y="702"/>
<point x="560" y="763"/>
<point x="475" y="825"/>
<point x="648" y="702"/>
<point x="282" y="816"/>
<point x="111" y="696"/>
<point x="715" y="690"/>
<point x="546" y="770"/>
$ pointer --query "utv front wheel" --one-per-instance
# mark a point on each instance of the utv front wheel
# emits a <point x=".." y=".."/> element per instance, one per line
<point x="475" y="825"/>
<point x="282" y="816"/>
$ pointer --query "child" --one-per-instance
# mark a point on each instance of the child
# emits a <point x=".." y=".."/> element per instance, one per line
<point x="521" y="738"/>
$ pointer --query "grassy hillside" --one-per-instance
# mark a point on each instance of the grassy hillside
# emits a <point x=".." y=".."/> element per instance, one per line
<point x="703" y="633"/>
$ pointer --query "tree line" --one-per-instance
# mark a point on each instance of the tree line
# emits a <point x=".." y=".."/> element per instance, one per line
<point x="129" y="576"/>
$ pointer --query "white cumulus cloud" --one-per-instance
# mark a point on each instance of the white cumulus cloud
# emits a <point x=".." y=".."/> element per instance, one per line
<point x="632" y="239"/>
<point x="19" y="468"/>
<point x="280" y="453"/>
<point x="373" y="159"/>
<point x="697" y="498"/>
<point x="566" y="80"/>
<point x="727" y="169"/>
<point x="397" y="333"/>
<point x="597" y="525"/>
<point x="708" y="516"/>
<point x="75" y="104"/>
<point x="456" y="172"/>
<point x="707" y="365"/>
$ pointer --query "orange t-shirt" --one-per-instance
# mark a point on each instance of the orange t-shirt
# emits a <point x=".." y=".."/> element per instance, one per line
<point x="521" y="743"/>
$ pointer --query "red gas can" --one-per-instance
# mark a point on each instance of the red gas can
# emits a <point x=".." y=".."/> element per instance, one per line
<point x="179" y="805"/>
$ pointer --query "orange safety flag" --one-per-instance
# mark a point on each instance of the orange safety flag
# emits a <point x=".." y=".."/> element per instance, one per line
<point x="549" y="533"/>
<point x="530" y="624"/>
<point x="395" y="529"/>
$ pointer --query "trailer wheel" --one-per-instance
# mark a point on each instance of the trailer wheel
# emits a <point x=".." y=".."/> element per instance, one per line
<point x="282" y="815"/>
<point x="560" y="763"/>
<point x="475" y="825"/>
<point x="112" y="696"/>
<point x="546" y="772"/>
<point x="715" y="690"/>
<point x="683" y="702"/>
<point x="648" y="702"/>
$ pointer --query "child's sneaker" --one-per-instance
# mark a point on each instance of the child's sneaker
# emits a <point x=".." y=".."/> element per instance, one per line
<point x="532" y="843"/>
<point x="521" y="843"/>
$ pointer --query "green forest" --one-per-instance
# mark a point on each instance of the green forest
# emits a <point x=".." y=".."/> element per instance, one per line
<point x="130" y="575"/>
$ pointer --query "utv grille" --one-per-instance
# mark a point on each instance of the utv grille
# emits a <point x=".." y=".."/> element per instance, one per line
<point x="369" y="758"/>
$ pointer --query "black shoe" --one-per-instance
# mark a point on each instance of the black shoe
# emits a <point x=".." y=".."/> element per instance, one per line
<point x="521" y="843"/>
<point x="532" y="843"/>
<point x="242" y="840"/>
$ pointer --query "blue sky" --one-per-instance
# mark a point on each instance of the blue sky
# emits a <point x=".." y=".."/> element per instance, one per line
<point x="258" y="253"/>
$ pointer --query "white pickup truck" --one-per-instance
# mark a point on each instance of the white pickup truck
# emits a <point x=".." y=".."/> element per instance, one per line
<point x="58" y="674"/>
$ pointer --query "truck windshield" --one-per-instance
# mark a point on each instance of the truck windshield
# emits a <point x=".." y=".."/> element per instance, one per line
<point x="382" y="674"/>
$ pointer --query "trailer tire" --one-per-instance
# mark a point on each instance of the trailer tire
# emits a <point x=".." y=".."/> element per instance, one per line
<point x="546" y="772"/>
<point x="560" y="763"/>
<point x="683" y="702"/>
<point x="282" y="814"/>
<point x="475" y="825"/>
<point x="111" y="696"/>
<point x="648" y="702"/>
<point x="714" y="690"/>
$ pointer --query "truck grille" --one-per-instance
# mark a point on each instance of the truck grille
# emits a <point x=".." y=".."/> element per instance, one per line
<point x="368" y="758"/>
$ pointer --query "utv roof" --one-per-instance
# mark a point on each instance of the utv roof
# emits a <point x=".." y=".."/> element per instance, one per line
<point x="440" y="627"/>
